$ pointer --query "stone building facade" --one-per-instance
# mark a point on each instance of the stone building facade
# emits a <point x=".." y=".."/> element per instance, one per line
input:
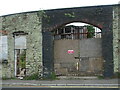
<point x="38" y="26"/>
<point x="116" y="38"/>
<point x="29" y="23"/>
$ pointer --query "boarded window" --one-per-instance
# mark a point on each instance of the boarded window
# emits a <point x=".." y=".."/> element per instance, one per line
<point x="20" y="42"/>
<point x="3" y="48"/>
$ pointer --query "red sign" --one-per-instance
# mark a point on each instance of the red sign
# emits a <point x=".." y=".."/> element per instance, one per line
<point x="70" y="51"/>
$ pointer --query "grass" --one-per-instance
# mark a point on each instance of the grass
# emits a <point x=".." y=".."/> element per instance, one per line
<point x="101" y="77"/>
<point x="36" y="77"/>
<point x="51" y="77"/>
<point x="32" y="77"/>
<point x="12" y="78"/>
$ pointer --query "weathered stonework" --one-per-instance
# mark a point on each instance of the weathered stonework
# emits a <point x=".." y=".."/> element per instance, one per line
<point x="29" y="23"/>
<point x="119" y="38"/>
<point x="99" y="16"/>
<point x="39" y="53"/>
<point x="0" y="48"/>
<point x="116" y="37"/>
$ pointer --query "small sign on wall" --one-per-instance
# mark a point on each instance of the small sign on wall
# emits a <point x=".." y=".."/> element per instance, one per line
<point x="70" y="51"/>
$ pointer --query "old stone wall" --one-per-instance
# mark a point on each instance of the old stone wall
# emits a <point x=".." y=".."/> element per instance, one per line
<point x="0" y="49"/>
<point x="39" y="34"/>
<point x="29" y="23"/>
<point x="119" y="38"/>
<point x="99" y="16"/>
<point x="116" y="37"/>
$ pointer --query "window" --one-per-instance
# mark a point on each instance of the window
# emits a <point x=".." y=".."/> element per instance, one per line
<point x="20" y="52"/>
<point x="20" y="42"/>
<point x="3" y="48"/>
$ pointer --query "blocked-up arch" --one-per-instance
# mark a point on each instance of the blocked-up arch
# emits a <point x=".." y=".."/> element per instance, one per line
<point x="99" y="16"/>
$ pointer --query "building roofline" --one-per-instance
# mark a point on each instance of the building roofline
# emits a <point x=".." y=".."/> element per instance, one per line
<point x="61" y="9"/>
<point x="84" y="7"/>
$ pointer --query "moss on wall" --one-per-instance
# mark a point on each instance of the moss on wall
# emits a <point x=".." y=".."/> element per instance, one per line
<point x="29" y="23"/>
<point x="116" y="35"/>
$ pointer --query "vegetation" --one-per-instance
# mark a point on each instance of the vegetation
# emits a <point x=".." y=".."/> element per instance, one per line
<point x="12" y="78"/>
<point x="100" y="77"/>
<point x="32" y="77"/>
<point x="23" y="60"/>
<point x="72" y="15"/>
<point x="44" y="15"/>
<point x="51" y="77"/>
<point x="91" y="31"/>
<point x="36" y="77"/>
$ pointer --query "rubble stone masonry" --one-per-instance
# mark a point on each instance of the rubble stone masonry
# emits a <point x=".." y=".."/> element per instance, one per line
<point x="116" y="37"/>
<point x="29" y="23"/>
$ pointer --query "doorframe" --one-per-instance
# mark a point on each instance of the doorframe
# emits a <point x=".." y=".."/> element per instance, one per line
<point x="17" y="33"/>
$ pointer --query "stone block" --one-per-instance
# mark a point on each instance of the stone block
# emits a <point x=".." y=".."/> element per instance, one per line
<point x="56" y="66"/>
<point x="61" y="71"/>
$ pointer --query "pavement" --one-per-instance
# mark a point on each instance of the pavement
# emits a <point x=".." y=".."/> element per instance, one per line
<point x="64" y="83"/>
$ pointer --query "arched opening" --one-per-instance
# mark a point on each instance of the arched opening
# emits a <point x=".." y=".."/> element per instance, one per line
<point x="77" y="31"/>
<point x="77" y="50"/>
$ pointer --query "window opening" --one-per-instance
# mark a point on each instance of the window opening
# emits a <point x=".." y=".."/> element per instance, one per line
<point x="20" y="53"/>
<point x="4" y="49"/>
<point x="71" y="31"/>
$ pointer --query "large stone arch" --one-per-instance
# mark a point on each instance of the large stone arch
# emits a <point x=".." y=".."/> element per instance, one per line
<point x="100" y="16"/>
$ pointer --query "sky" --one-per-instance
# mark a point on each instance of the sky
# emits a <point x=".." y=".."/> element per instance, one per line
<point x="17" y="6"/>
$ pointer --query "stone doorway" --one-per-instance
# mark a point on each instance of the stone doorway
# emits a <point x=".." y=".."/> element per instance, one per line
<point x="20" y="54"/>
<point x="20" y="57"/>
